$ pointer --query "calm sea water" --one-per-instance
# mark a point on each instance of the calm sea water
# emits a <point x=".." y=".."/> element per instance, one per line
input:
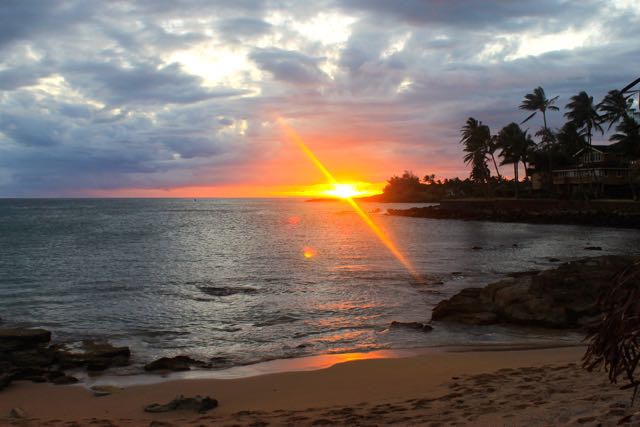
<point x="228" y="279"/>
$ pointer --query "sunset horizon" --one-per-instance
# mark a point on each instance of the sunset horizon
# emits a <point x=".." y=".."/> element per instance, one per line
<point x="347" y="213"/>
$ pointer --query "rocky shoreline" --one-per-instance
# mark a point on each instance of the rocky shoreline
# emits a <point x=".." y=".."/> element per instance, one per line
<point x="28" y="354"/>
<point x="564" y="297"/>
<point x="606" y="214"/>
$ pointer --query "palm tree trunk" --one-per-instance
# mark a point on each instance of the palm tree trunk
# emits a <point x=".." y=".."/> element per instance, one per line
<point x="515" y="176"/>
<point x="495" y="165"/>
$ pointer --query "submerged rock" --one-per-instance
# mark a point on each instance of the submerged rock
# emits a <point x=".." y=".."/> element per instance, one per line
<point x="423" y="327"/>
<point x="177" y="363"/>
<point x="198" y="404"/>
<point x="218" y="291"/>
<point x="564" y="297"/>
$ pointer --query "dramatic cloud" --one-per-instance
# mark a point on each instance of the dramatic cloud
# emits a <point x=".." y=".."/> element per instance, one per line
<point x="139" y="97"/>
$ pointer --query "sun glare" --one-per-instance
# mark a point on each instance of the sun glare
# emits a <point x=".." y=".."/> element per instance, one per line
<point x="343" y="191"/>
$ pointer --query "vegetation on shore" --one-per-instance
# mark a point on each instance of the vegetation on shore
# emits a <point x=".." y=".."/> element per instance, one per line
<point x="538" y="155"/>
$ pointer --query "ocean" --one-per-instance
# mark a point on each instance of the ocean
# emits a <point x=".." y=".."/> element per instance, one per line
<point x="227" y="280"/>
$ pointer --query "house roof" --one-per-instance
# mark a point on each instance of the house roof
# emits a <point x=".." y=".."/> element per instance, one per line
<point x="611" y="148"/>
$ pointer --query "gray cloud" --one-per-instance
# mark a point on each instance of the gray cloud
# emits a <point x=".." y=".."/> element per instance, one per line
<point x="289" y="66"/>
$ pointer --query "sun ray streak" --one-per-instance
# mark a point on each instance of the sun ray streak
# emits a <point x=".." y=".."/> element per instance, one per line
<point x="293" y="136"/>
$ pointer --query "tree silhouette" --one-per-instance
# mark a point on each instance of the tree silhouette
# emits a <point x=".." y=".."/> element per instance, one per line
<point x="537" y="101"/>
<point x="628" y="137"/>
<point x="584" y="114"/>
<point x="615" y="107"/>
<point x="614" y="340"/>
<point x="515" y="145"/>
<point x="476" y="139"/>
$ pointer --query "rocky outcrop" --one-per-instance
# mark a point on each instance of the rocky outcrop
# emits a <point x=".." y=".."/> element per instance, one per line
<point x="26" y="354"/>
<point x="564" y="297"/>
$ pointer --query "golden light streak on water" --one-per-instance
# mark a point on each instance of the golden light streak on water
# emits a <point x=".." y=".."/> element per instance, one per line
<point x="293" y="135"/>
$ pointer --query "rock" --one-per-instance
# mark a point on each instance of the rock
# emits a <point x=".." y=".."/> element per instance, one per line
<point x="95" y="356"/>
<point x="177" y="363"/>
<point x="564" y="297"/>
<point x="226" y="291"/>
<point x="592" y="248"/>
<point x="198" y="404"/>
<point x="5" y="381"/>
<point x="476" y="248"/>
<point x="554" y="259"/>
<point x="105" y="390"/>
<point x="411" y="325"/>
<point x="17" y="413"/>
<point x="40" y="357"/>
<point x="28" y="373"/>
<point x="63" y="380"/>
<point x="12" y="339"/>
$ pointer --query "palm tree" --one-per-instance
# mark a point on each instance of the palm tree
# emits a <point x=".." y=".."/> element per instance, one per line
<point x="584" y="114"/>
<point x="570" y="140"/>
<point x="492" y="147"/>
<point x="476" y="138"/>
<point x="615" y="107"/>
<point x="537" y="101"/>
<point x="516" y="146"/>
<point x="628" y="136"/>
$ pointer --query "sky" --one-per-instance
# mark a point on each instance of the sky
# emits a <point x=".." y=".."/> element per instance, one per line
<point x="160" y="98"/>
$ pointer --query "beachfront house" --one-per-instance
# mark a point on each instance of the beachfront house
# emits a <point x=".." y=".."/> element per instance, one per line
<point x="600" y="170"/>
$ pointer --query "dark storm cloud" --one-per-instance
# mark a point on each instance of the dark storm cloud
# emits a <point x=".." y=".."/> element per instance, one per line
<point x="17" y="77"/>
<point x="142" y="83"/>
<point x="475" y="14"/>
<point x="239" y="29"/>
<point x="24" y="19"/>
<point x="289" y="66"/>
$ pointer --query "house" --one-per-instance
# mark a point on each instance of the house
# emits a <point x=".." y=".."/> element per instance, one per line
<point x="600" y="170"/>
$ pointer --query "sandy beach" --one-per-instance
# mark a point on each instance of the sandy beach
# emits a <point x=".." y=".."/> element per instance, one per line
<point x="513" y="387"/>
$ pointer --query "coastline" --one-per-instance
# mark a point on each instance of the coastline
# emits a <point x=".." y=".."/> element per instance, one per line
<point x="375" y="388"/>
<point x="599" y="213"/>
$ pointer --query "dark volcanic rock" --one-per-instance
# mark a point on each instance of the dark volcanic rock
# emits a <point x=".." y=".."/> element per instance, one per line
<point x="63" y="380"/>
<point x="5" y="380"/>
<point x="95" y="356"/>
<point x="177" y="363"/>
<point x="40" y="357"/>
<point x="199" y="404"/>
<point x="564" y="297"/>
<point x="12" y="339"/>
<point x="411" y="325"/>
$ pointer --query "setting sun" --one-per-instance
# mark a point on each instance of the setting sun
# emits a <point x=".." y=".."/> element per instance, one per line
<point x="344" y="191"/>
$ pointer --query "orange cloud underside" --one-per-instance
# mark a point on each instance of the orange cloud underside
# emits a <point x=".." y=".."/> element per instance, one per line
<point x="286" y="172"/>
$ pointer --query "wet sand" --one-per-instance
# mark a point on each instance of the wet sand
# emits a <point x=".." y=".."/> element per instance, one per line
<point x="514" y="387"/>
